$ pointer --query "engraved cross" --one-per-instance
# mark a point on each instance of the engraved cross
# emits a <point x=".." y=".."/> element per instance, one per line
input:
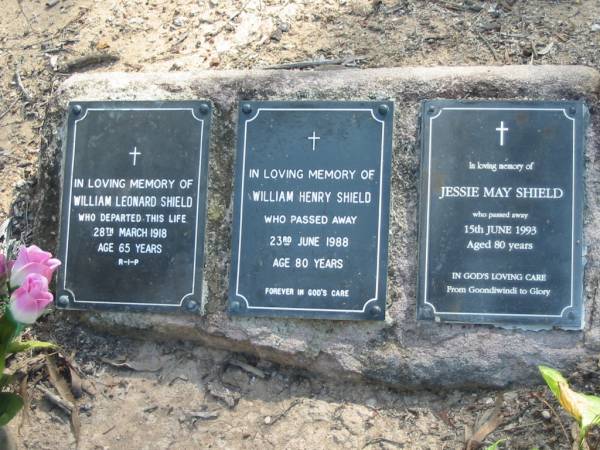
<point x="314" y="138"/>
<point x="135" y="154"/>
<point x="501" y="129"/>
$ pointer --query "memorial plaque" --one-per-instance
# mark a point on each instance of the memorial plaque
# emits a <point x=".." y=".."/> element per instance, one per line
<point x="501" y="213"/>
<point x="133" y="205"/>
<point x="311" y="210"/>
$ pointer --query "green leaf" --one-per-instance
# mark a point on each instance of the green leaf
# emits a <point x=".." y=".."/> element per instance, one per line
<point x="495" y="445"/>
<point x="10" y="405"/>
<point x="583" y="407"/>
<point x="552" y="378"/>
<point x="8" y="330"/>
<point x="16" y="347"/>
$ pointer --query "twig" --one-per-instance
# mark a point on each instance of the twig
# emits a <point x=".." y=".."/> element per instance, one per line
<point x="543" y="400"/>
<point x="60" y="31"/>
<point x="180" y="40"/>
<point x="178" y="377"/>
<point x="248" y="368"/>
<point x="525" y="425"/>
<point x="204" y="415"/>
<point x="382" y="440"/>
<point x="9" y="109"/>
<point x="82" y="13"/>
<point x="230" y="20"/>
<point x="460" y="8"/>
<point x="534" y="52"/>
<point x="23" y="392"/>
<point x="25" y="15"/>
<point x="19" y="82"/>
<point x="88" y="60"/>
<point x="56" y="400"/>
<point x="239" y="11"/>
<point x="109" y="430"/>
<point x="488" y="45"/>
<point x="131" y="366"/>
<point x="54" y="50"/>
<point x="287" y="410"/>
<point x="316" y="62"/>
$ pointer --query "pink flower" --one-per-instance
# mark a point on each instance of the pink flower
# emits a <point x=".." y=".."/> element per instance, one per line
<point x="30" y="260"/>
<point x="28" y="302"/>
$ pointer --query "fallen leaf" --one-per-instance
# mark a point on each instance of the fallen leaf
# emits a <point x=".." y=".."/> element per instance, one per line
<point x="494" y="419"/>
<point x="546" y="49"/>
<point x="65" y="393"/>
<point x="75" y="383"/>
<point x="24" y="393"/>
<point x="131" y="366"/>
<point x="204" y="415"/>
<point x="223" y="393"/>
<point x="58" y="380"/>
<point x="248" y="368"/>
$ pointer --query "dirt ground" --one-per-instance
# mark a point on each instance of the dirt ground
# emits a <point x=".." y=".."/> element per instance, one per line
<point x="175" y="395"/>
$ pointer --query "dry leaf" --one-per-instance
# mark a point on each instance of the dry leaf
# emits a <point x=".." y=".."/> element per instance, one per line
<point x="204" y="415"/>
<point x="102" y="44"/>
<point x="546" y="49"/>
<point x="58" y="381"/>
<point x="130" y="366"/>
<point x="223" y="393"/>
<point x="24" y="393"/>
<point x="493" y="421"/>
<point x="248" y="368"/>
<point x="75" y="383"/>
<point x="66" y="394"/>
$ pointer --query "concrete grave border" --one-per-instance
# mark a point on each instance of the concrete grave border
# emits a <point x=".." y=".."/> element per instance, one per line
<point x="400" y="351"/>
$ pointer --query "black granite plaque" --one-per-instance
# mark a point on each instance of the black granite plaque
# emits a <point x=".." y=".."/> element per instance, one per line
<point x="133" y="205"/>
<point x="311" y="210"/>
<point x="501" y="213"/>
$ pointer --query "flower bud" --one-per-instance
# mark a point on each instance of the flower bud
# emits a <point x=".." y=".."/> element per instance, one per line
<point x="30" y="260"/>
<point x="29" y="301"/>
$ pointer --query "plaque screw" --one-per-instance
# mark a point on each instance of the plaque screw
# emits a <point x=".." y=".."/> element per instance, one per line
<point x="204" y="108"/>
<point x="431" y="110"/>
<point x="571" y="315"/>
<point x="77" y="110"/>
<point x="427" y="313"/>
<point x="246" y="108"/>
<point x="235" y="306"/>
<point x="572" y="110"/>
<point x="63" y="301"/>
<point x="375" y="311"/>
<point x="192" y="305"/>
<point x="383" y="109"/>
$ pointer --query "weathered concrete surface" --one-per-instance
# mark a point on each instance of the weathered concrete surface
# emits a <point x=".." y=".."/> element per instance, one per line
<point x="400" y="351"/>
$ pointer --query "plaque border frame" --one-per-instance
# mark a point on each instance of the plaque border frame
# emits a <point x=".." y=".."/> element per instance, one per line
<point x="431" y="110"/>
<point x="377" y="302"/>
<point x="190" y="301"/>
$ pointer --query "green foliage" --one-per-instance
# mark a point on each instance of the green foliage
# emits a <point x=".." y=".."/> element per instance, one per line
<point x="495" y="445"/>
<point x="10" y="405"/>
<point x="552" y="377"/>
<point x="19" y="309"/>
<point x="585" y="409"/>
<point x="17" y="347"/>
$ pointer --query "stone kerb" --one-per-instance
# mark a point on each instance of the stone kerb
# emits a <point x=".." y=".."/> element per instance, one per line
<point x="400" y="351"/>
